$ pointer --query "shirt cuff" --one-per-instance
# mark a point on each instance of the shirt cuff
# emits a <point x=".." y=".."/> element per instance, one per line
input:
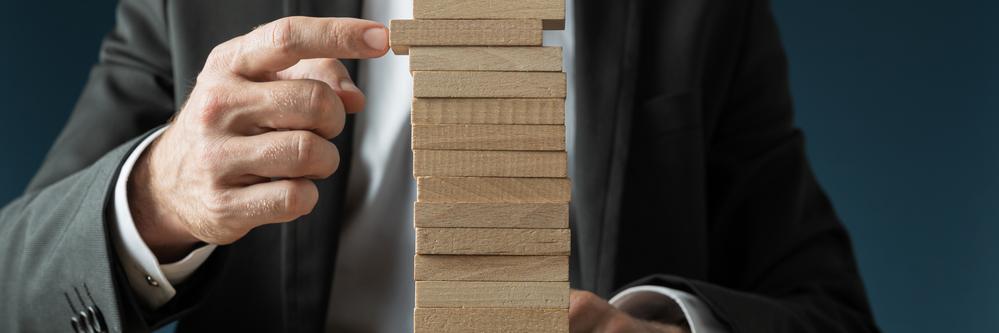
<point x="698" y="315"/>
<point x="152" y="282"/>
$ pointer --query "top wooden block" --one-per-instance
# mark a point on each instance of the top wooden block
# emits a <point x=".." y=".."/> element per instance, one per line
<point x="552" y="12"/>
<point x="520" y="32"/>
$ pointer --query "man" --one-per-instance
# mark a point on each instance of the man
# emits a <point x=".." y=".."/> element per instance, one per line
<point x="693" y="202"/>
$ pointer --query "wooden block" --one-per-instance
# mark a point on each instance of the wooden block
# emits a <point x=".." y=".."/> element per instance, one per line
<point x="490" y="268"/>
<point x="480" y="294"/>
<point x="490" y="320"/>
<point x="551" y="11"/>
<point x="491" y="215"/>
<point x="472" y="163"/>
<point x="523" y="242"/>
<point x="478" y="189"/>
<point x="488" y="84"/>
<point x="514" y="59"/>
<point x="488" y="111"/>
<point x="519" y="32"/>
<point x="489" y="137"/>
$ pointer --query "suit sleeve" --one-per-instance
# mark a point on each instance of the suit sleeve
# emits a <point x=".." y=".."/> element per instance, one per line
<point x="55" y="254"/>
<point x="129" y="92"/>
<point x="780" y="261"/>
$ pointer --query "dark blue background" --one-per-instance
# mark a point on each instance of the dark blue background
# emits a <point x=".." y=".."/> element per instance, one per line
<point x="899" y="101"/>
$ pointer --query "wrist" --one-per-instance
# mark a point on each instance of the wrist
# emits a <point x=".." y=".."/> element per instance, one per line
<point x="159" y="226"/>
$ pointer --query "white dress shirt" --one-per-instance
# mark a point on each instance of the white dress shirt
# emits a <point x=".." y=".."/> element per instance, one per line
<point x="369" y="295"/>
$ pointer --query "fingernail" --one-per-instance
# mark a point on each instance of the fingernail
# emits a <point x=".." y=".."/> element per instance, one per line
<point x="376" y="38"/>
<point x="348" y="85"/>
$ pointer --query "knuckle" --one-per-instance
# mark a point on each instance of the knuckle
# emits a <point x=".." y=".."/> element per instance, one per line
<point x="321" y="96"/>
<point x="299" y="198"/>
<point x="219" y="50"/>
<point x="208" y="160"/>
<point x="217" y="208"/>
<point x="212" y="103"/>
<point x="305" y="144"/>
<point x="282" y="34"/>
<point x="219" y="55"/>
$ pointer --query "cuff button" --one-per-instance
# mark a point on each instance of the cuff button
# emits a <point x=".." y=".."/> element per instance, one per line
<point x="151" y="281"/>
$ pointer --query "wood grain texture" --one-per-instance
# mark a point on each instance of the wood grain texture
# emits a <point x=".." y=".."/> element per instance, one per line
<point x="490" y="268"/>
<point x="472" y="163"/>
<point x="519" y="32"/>
<point x="514" y="59"/>
<point x="522" y="242"/>
<point x="488" y="111"/>
<point x="461" y="84"/>
<point x="551" y="11"/>
<point x="489" y="137"/>
<point x="490" y="320"/>
<point x="468" y="294"/>
<point x="481" y="189"/>
<point x="491" y="215"/>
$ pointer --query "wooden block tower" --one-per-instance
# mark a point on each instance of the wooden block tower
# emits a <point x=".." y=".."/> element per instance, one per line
<point x="492" y="210"/>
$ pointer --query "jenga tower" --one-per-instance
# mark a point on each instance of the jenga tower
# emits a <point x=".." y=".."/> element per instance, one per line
<point x="492" y="225"/>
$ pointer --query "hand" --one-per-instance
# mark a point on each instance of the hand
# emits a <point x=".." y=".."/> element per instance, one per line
<point x="244" y="149"/>
<point x="589" y="313"/>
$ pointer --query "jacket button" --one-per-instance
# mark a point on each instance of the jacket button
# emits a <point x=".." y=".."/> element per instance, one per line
<point x="82" y="320"/>
<point x="151" y="281"/>
<point x="96" y="319"/>
<point x="77" y="325"/>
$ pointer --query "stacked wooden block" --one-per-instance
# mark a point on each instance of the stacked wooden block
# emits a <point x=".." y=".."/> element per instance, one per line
<point x="489" y="157"/>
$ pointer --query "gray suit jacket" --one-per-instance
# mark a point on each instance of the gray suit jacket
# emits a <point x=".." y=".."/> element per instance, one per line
<point x="684" y="133"/>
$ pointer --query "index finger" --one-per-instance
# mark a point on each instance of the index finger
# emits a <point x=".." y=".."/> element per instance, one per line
<point x="282" y="43"/>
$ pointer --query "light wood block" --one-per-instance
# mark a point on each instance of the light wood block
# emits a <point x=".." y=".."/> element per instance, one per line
<point x="488" y="84"/>
<point x="471" y="163"/>
<point x="523" y="242"/>
<point x="519" y="32"/>
<point x="514" y="59"/>
<point x="480" y="189"/>
<point x="490" y="268"/>
<point x="551" y="11"/>
<point x="488" y="111"/>
<point x="490" y="320"/>
<point x="489" y="137"/>
<point x="477" y="294"/>
<point x="491" y="215"/>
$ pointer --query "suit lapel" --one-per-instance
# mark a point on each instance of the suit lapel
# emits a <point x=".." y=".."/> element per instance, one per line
<point x="607" y="44"/>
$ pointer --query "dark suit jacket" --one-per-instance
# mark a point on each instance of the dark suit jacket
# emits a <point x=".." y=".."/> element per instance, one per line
<point x="688" y="174"/>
